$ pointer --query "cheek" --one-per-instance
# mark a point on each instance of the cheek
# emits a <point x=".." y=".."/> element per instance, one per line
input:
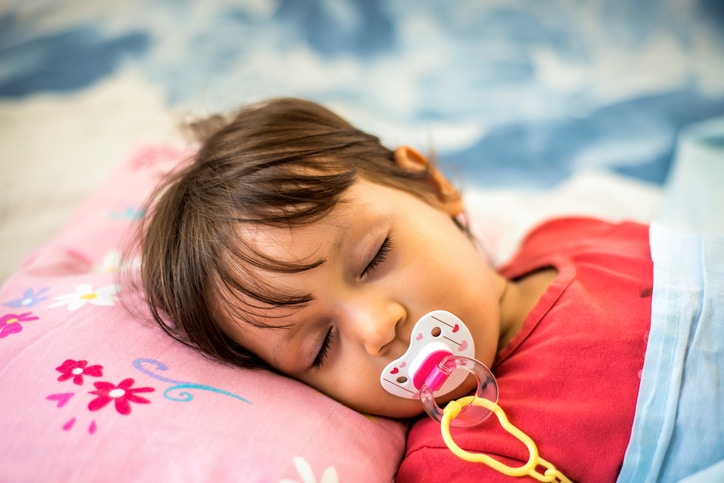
<point x="449" y="276"/>
<point x="353" y="387"/>
<point x="446" y="253"/>
<point x="365" y="394"/>
<point x="381" y="403"/>
<point x="462" y="281"/>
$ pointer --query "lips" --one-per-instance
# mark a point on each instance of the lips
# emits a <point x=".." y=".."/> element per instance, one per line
<point x="434" y="336"/>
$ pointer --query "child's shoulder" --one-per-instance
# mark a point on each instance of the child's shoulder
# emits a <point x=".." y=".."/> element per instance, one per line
<point x="580" y="236"/>
<point x="577" y="230"/>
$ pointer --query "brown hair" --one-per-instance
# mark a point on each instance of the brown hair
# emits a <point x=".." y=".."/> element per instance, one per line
<point x="280" y="163"/>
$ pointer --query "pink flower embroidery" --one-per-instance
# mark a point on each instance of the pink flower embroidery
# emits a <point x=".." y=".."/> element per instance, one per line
<point x="10" y="323"/>
<point x="76" y="370"/>
<point x="123" y="394"/>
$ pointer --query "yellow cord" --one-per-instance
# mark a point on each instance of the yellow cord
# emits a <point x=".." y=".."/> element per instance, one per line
<point x="452" y="410"/>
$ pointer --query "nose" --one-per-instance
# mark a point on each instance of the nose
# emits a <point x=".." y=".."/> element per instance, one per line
<point x="376" y="336"/>
<point x="374" y="327"/>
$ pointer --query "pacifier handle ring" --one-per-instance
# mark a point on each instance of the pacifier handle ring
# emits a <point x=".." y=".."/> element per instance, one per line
<point x="471" y="414"/>
<point x="530" y="468"/>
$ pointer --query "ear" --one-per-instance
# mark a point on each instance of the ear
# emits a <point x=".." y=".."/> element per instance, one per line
<point x="446" y="197"/>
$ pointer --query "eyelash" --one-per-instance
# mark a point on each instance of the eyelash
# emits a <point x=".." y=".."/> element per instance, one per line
<point x="379" y="257"/>
<point x="324" y="350"/>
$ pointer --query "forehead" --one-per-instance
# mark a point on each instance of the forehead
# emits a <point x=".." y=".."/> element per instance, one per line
<point x="305" y="243"/>
<point x="298" y="245"/>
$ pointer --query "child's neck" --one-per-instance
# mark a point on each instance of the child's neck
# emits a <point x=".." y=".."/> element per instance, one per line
<point x="518" y="299"/>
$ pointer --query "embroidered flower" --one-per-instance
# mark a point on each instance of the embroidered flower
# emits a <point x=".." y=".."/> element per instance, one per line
<point x="123" y="395"/>
<point x="29" y="299"/>
<point x="76" y="370"/>
<point x="113" y="262"/>
<point x="10" y="323"/>
<point x="329" y="475"/>
<point x="110" y="263"/>
<point x="84" y="294"/>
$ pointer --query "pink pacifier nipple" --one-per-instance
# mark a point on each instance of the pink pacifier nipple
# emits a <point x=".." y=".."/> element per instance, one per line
<point x="440" y="343"/>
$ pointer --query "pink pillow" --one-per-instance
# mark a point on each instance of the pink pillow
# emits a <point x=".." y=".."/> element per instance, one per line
<point x="91" y="393"/>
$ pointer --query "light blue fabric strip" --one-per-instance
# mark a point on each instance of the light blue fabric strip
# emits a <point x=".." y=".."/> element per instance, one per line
<point x="693" y="195"/>
<point x="678" y="429"/>
<point x="713" y="474"/>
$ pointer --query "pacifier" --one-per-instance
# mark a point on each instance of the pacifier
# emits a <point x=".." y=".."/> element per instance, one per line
<point x="440" y="344"/>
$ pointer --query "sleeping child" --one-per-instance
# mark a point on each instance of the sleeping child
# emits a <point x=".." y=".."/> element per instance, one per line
<point x="298" y="243"/>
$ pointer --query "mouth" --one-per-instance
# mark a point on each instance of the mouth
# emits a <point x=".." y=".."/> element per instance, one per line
<point x="434" y="336"/>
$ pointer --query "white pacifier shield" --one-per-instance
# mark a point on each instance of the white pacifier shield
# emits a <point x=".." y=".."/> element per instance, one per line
<point x="436" y="335"/>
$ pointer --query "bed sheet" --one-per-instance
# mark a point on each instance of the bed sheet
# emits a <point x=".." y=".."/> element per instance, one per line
<point x="678" y="430"/>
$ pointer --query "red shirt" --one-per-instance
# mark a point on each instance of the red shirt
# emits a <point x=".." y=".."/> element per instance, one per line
<point x="570" y="377"/>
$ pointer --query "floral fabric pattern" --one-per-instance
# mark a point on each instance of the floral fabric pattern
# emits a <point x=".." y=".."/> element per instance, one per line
<point x="329" y="475"/>
<point x="84" y="294"/>
<point x="113" y="262"/>
<point x="126" y="393"/>
<point x="10" y="323"/>
<point x="76" y="370"/>
<point x="122" y="395"/>
<point x="30" y="298"/>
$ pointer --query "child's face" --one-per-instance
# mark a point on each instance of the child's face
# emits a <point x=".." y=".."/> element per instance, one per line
<point x="389" y="259"/>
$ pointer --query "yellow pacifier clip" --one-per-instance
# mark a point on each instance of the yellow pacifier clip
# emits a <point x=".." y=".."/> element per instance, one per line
<point x="452" y="410"/>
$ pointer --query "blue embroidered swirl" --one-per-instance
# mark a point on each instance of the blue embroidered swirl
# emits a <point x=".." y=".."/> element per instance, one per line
<point x="176" y="392"/>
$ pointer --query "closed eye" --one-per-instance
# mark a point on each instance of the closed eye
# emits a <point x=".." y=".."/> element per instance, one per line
<point x="323" y="350"/>
<point x="379" y="257"/>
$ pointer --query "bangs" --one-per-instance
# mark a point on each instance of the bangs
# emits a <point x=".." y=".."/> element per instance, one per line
<point x="242" y="294"/>
<point x="298" y="197"/>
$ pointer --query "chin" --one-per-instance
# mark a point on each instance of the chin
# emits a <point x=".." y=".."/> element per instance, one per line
<point x="398" y="409"/>
<point x="390" y="406"/>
